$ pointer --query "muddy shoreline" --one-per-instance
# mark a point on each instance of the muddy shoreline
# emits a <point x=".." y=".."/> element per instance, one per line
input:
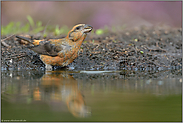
<point x="144" y="49"/>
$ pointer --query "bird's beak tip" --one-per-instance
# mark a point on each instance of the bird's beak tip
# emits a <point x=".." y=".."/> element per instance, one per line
<point x="87" y="28"/>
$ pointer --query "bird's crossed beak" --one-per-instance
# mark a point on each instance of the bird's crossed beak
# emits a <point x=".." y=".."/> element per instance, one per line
<point x="87" y="28"/>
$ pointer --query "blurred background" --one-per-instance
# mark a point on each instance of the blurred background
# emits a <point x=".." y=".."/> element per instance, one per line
<point x="97" y="14"/>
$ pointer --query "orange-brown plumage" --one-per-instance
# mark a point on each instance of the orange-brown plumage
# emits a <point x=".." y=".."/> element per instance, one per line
<point x="60" y="52"/>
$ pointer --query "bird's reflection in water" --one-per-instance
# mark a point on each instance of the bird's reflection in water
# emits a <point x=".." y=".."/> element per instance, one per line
<point x="62" y="87"/>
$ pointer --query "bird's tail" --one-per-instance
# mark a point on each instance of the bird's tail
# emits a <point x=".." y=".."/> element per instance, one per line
<point x="26" y="40"/>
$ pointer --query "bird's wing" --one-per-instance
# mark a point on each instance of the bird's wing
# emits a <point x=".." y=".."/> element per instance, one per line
<point x="47" y="48"/>
<point x="51" y="47"/>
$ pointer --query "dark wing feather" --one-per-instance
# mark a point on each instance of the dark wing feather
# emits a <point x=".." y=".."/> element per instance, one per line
<point x="46" y="48"/>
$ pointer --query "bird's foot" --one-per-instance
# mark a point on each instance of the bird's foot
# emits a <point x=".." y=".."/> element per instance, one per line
<point x="48" y="67"/>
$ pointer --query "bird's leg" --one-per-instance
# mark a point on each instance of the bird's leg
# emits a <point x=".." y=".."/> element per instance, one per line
<point x="48" y="67"/>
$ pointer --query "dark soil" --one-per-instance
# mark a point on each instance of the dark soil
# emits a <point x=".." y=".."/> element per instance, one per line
<point x="145" y="48"/>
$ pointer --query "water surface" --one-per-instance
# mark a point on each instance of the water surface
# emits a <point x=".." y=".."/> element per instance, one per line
<point x="91" y="96"/>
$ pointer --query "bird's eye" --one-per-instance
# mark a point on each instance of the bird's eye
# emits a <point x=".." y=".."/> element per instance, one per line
<point x="77" y="28"/>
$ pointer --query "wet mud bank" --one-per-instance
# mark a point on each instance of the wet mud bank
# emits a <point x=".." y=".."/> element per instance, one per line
<point x="144" y="49"/>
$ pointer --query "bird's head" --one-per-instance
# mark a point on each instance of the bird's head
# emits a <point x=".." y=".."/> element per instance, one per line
<point x="79" y="31"/>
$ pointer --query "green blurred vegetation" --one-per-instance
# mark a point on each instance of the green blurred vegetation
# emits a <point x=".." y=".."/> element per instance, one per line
<point x="108" y="29"/>
<point x="102" y="31"/>
<point x="32" y="27"/>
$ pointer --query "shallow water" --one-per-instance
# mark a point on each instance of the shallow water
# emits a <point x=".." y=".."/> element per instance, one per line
<point x="91" y="96"/>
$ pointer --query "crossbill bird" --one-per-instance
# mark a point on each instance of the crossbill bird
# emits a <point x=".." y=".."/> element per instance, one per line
<point x="60" y="52"/>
